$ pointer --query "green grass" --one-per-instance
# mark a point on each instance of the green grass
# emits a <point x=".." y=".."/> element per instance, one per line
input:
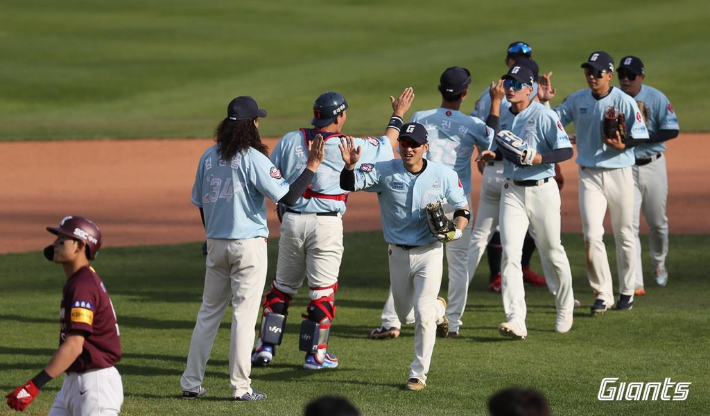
<point x="157" y="291"/>
<point x="97" y="69"/>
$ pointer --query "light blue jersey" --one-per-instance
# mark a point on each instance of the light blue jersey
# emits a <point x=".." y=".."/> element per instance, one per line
<point x="452" y="138"/>
<point x="587" y="113"/>
<point x="231" y="194"/>
<point x="541" y="129"/>
<point x="324" y="193"/>
<point x="659" y="115"/>
<point x="403" y="197"/>
<point x="483" y="106"/>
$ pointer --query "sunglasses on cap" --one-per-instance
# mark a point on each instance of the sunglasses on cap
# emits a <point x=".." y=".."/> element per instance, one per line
<point x="593" y="71"/>
<point x="623" y="73"/>
<point x="409" y="143"/>
<point x="519" y="48"/>
<point x="514" y="84"/>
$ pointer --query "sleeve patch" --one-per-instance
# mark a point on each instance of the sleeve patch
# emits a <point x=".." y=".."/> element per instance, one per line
<point x="366" y="167"/>
<point x="275" y="173"/>
<point x="373" y="141"/>
<point x="460" y="184"/>
<point x="670" y="108"/>
<point x="83" y="304"/>
<point x="638" y="117"/>
<point x="559" y="125"/>
<point x="82" y="316"/>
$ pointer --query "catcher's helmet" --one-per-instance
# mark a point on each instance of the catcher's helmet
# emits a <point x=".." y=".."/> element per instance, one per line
<point x="80" y="228"/>
<point x="327" y="108"/>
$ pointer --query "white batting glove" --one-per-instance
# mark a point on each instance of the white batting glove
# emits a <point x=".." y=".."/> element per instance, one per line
<point x="450" y="236"/>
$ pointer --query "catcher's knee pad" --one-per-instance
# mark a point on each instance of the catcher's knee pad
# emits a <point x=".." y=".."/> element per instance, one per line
<point x="315" y="329"/>
<point x="273" y="321"/>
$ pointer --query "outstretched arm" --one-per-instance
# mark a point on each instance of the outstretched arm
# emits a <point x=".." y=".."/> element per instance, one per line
<point x="400" y="106"/>
<point x="316" y="151"/>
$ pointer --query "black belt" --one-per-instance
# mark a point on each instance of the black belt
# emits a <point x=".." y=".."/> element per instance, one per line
<point x="647" y="160"/>
<point x="531" y="183"/>
<point x="493" y="162"/>
<point x="320" y="214"/>
<point x="405" y="247"/>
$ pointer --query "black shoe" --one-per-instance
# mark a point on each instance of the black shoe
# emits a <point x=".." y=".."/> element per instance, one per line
<point x="599" y="307"/>
<point x="625" y="303"/>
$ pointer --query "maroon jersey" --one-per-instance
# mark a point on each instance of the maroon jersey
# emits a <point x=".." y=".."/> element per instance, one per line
<point x="87" y="309"/>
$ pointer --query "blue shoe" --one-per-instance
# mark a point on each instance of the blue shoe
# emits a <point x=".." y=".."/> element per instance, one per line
<point x="625" y="303"/>
<point x="599" y="307"/>
<point x="661" y="277"/>
<point x="263" y="357"/>
<point x="329" y="361"/>
<point x="250" y="397"/>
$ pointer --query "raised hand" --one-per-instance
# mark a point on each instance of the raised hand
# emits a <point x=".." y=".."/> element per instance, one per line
<point x="316" y="152"/>
<point x="401" y="104"/>
<point x="545" y="92"/>
<point x="349" y="152"/>
<point x="496" y="90"/>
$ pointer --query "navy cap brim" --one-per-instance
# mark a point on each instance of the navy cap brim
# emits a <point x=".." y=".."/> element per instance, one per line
<point x="517" y="77"/>
<point x="594" y="65"/>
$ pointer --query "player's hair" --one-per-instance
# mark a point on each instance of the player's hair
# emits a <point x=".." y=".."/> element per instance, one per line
<point x="233" y="136"/>
<point x="450" y="97"/>
<point x="516" y="401"/>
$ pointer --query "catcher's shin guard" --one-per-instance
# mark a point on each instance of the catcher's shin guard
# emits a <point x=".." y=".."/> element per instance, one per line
<point x="273" y="321"/>
<point x="320" y="316"/>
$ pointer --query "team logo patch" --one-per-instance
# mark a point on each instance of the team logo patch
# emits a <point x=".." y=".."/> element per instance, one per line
<point x="670" y="108"/>
<point x="366" y="167"/>
<point x="275" y="173"/>
<point x="488" y="132"/>
<point x="638" y="117"/>
<point x="81" y="316"/>
<point x="397" y="185"/>
<point x="448" y="113"/>
<point x="460" y="184"/>
<point x="505" y="186"/>
<point x="559" y="125"/>
<point x="83" y="304"/>
<point x="373" y="141"/>
<point x="436" y="184"/>
<point x="582" y="110"/>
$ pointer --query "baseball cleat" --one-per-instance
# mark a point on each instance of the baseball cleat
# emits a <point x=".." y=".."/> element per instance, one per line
<point x="189" y="395"/>
<point x="577" y="303"/>
<point x="330" y="361"/>
<point x="563" y="323"/>
<point x="263" y="358"/>
<point x="250" y="397"/>
<point x="533" y="278"/>
<point x="496" y="284"/>
<point x="509" y="330"/>
<point x="414" y="384"/>
<point x="453" y="335"/>
<point x="599" y="307"/>
<point x="625" y="303"/>
<point x="661" y="276"/>
<point x="640" y="291"/>
<point x="384" y="333"/>
<point x="442" y="328"/>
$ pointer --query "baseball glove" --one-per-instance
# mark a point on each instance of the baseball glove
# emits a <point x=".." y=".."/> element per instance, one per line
<point x="515" y="149"/>
<point x="644" y="111"/>
<point x="442" y="228"/>
<point x="614" y="121"/>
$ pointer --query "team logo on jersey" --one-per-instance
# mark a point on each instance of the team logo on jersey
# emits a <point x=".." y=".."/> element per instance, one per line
<point x="373" y="141"/>
<point x="82" y="304"/>
<point x="488" y="132"/>
<point x="275" y="173"/>
<point x="559" y="125"/>
<point x="638" y="117"/>
<point x="582" y="110"/>
<point x="448" y="113"/>
<point x="460" y="184"/>
<point x="366" y="167"/>
<point x="670" y="108"/>
<point x="397" y="185"/>
<point x="82" y="313"/>
<point x="436" y="184"/>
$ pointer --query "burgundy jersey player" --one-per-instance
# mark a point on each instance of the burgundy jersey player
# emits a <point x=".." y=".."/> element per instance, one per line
<point x="89" y="343"/>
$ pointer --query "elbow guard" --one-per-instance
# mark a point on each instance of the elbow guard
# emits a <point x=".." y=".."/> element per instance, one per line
<point x="463" y="213"/>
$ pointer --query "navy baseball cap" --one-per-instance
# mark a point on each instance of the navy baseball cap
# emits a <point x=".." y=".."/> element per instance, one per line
<point x="601" y="61"/>
<point x="520" y="73"/>
<point x="454" y="79"/>
<point x="244" y="108"/>
<point x="415" y="132"/>
<point x="530" y="63"/>
<point x="632" y="64"/>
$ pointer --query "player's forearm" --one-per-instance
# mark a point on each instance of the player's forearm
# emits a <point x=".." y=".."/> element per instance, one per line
<point x="656" y="137"/>
<point x="347" y="179"/>
<point x="66" y="354"/>
<point x="493" y="121"/>
<point x="298" y="187"/>
<point x="557" y="155"/>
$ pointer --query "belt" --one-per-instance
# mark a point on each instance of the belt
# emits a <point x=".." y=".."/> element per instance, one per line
<point x="320" y="214"/>
<point x="493" y="162"/>
<point x="647" y="160"/>
<point x="405" y="247"/>
<point x="531" y="183"/>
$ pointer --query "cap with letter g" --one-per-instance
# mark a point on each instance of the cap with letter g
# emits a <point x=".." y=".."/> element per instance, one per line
<point x="415" y="132"/>
<point x="244" y="108"/>
<point x="601" y="61"/>
<point x="632" y="64"/>
<point x="520" y="73"/>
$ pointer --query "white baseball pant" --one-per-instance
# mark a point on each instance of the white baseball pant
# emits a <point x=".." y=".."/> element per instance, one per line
<point x="415" y="279"/>
<point x="650" y="196"/>
<point x="537" y="207"/>
<point x="236" y="271"/>
<point x="95" y="392"/>
<point x="599" y="188"/>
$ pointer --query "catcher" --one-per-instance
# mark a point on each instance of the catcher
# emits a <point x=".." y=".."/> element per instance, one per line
<point x="405" y="187"/>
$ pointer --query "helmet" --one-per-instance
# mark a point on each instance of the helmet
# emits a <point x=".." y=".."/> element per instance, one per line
<point x="80" y="228"/>
<point x="327" y="108"/>
<point x="519" y="48"/>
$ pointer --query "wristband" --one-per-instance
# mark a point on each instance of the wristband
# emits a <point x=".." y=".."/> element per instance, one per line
<point x="41" y="379"/>
<point x="395" y="123"/>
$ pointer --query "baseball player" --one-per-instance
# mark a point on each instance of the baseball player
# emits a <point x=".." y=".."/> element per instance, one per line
<point x="605" y="176"/>
<point x="649" y="171"/>
<point x="233" y="178"/>
<point x="311" y="243"/>
<point x="484" y="235"/>
<point x="404" y="188"/>
<point x="531" y="198"/>
<point x="453" y="137"/>
<point x="89" y="339"/>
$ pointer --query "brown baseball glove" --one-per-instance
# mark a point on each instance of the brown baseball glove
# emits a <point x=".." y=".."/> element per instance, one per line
<point x="614" y="121"/>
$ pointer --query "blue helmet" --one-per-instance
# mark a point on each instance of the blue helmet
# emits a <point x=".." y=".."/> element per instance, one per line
<point x="327" y="108"/>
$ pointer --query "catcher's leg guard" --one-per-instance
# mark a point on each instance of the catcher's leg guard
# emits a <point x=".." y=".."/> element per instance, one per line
<point x="316" y="329"/>
<point x="273" y="322"/>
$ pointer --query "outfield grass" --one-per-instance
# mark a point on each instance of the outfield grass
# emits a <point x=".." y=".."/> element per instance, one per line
<point x="157" y="291"/>
<point x="155" y="68"/>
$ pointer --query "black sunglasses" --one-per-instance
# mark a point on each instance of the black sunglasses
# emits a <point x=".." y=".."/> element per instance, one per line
<point x="593" y="71"/>
<point x="622" y="73"/>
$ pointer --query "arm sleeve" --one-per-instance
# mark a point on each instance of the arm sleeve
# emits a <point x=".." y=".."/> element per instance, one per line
<point x="494" y="123"/>
<point x="347" y="179"/>
<point x="298" y="187"/>
<point x="557" y="155"/>
<point x="657" y="137"/>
